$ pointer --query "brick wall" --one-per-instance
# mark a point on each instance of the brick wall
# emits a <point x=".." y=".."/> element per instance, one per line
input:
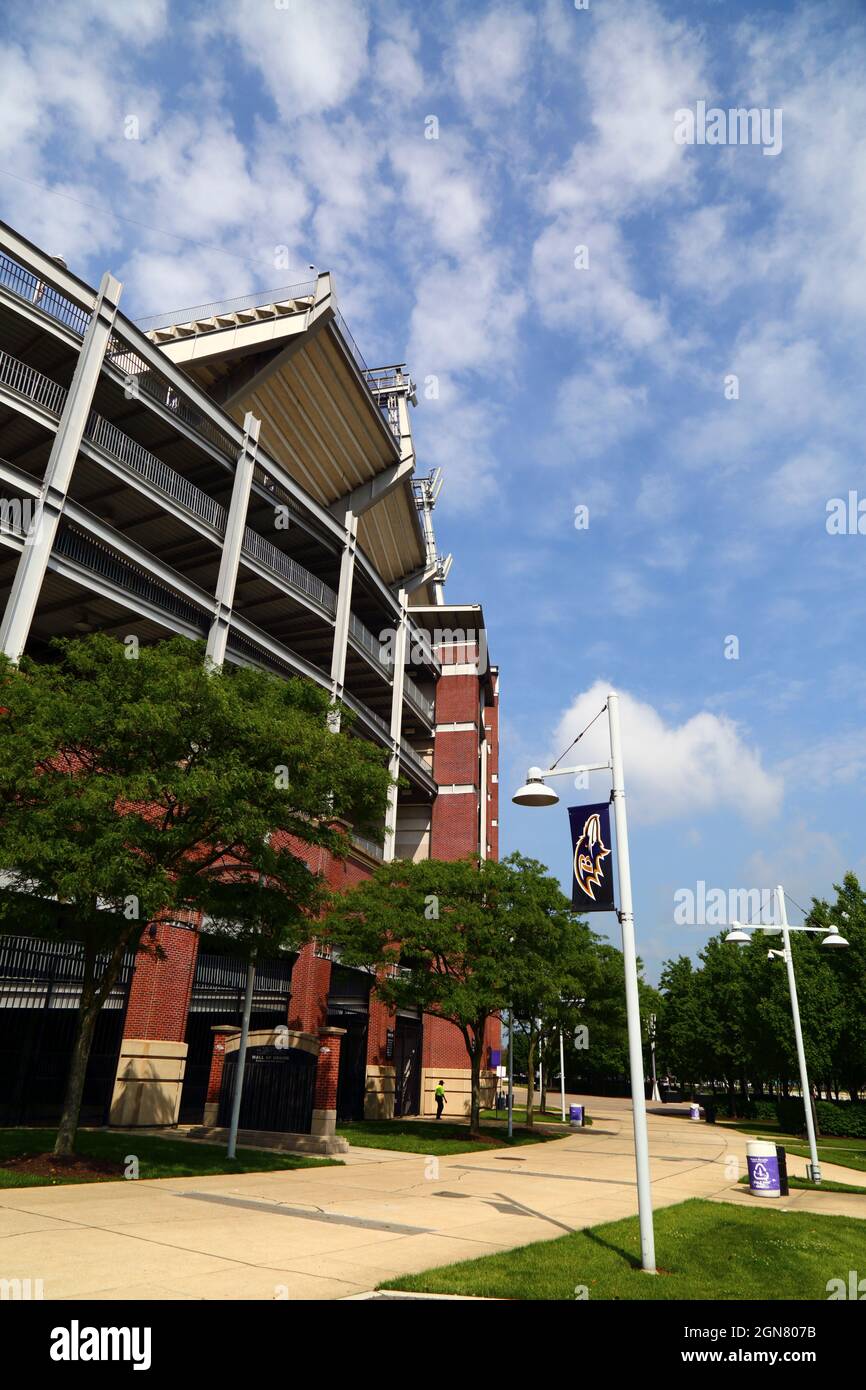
<point x="161" y="986"/>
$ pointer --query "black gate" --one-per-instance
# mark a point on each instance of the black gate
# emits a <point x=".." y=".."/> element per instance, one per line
<point x="407" y="1066"/>
<point x="349" y="1008"/>
<point x="40" y="987"/>
<point x="278" y="1093"/>
<point x="352" y="1077"/>
<point x="200" y="1041"/>
<point x="218" y="997"/>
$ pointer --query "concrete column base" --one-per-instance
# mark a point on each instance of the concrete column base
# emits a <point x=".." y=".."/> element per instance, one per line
<point x="324" y="1122"/>
<point x="148" y="1083"/>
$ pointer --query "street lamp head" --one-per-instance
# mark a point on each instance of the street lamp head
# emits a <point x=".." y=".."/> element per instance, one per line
<point x="738" y="937"/>
<point x="834" y="939"/>
<point x="534" y="792"/>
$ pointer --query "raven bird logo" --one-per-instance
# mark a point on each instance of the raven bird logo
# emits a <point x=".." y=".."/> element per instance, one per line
<point x="590" y="853"/>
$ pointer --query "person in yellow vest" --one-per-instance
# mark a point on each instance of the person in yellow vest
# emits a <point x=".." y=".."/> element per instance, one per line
<point x="440" y="1099"/>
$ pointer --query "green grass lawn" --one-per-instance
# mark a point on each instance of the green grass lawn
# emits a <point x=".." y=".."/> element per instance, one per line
<point x="851" y="1153"/>
<point x="158" y="1158"/>
<point x="824" y="1186"/>
<point x="553" y="1117"/>
<point x="706" y="1250"/>
<point x="431" y="1136"/>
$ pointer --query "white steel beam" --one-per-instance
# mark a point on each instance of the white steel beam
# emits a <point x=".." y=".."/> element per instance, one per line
<point x="233" y="543"/>
<point x="30" y="573"/>
<point x="390" y="847"/>
<point x="343" y="614"/>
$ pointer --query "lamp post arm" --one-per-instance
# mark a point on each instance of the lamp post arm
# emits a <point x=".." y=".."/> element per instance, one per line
<point x="774" y="930"/>
<point x="573" y="771"/>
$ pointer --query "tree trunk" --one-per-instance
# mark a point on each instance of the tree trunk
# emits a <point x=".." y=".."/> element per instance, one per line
<point x="475" y="1073"/>
<point x="64" y="1145"/>
<point x="530" y="1077"/>
<point x="93" y="996"/>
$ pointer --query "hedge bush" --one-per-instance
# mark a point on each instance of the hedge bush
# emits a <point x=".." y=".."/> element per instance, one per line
<point x="839" y="1118"/>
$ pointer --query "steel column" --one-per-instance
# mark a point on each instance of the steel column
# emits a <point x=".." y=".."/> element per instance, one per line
<point x="29" y="576"/>
<point x="390" y="848"/>
<point x="233" y="541"/>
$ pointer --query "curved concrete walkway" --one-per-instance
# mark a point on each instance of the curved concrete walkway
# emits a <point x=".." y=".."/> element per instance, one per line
<point x="332" y="1232"/>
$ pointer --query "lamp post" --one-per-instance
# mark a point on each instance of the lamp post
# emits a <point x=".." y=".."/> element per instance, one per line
<point x="562" y="1072"/>
<point x="536" y="793"/>
<point x="652" y="1037"/>
<point x="831" y="939"/>
<point x="511" y="1072"/>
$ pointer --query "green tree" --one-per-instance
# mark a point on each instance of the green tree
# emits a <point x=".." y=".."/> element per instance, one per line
<point x="462" y="940"/>
<point x="848" y="966"/>
<point x="137" y="786"/>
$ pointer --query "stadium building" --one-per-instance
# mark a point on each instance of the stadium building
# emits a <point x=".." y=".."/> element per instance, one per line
<point x="235" y="472"/>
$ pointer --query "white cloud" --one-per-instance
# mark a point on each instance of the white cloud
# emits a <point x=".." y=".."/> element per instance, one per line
<point x="397" y="74"/>
<point x="639" y="68"/>
<point x="698" y="767"/>
<point x="464" y="319"/>
<point x="441" y="186"/>
<point x="311" y="53"/>
<point x="599" y="296"/>
<point x="490" y="58"/>
<point x="455" y="433"/>
<point x="595" y="410"/>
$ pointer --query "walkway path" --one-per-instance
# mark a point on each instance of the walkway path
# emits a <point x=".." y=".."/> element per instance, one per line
<point x="332" y="1232"/>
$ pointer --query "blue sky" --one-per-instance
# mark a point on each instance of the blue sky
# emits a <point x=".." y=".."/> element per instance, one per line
<point x="303" y="125"/>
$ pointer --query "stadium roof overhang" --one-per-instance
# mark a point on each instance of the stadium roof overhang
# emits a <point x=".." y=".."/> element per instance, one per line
<point x="293" y="363"/>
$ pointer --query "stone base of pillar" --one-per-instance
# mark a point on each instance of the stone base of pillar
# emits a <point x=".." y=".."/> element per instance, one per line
<point x="379" y="1093"/>
<point x="324" y="1122"/>
<point x="211" y="1112"/>
<point x="149" y="1082"/>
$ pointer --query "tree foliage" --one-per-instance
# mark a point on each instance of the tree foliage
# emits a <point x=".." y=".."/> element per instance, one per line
<point x="143" y="786"/>
<point x="729" y="1021"/>
<point x="463" y="940"/>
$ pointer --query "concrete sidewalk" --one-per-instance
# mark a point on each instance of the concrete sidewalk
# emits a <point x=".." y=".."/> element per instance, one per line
<point x="333" y="1232"/>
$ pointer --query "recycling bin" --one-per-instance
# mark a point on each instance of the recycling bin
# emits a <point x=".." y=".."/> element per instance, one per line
<point x="575" y="1114"/>
<point x="694" y="1112"/>
<point x="763" y="1164"/>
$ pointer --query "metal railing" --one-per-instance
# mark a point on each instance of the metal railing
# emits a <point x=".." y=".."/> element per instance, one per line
<point x="371" y="847"/>
<point x="415" y="757"/>
<point x="420" y="641"/>
<point x="217" y="973"/>
<point x="259" y="299"/>
<point x="74" y="545"/>
<point x="35" y="292"/>
<point x="264" y="551"/>
<point x="108" y="437"/>
<point x="364" y="637"/>
<point x="35" y="972"/>
<point x="141" y="377"/>
<point x="32" y="384"/>
<point x="417" y="697"/>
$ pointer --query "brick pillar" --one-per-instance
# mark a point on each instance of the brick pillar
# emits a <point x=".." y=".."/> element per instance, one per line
<point x="456" y="760"/>
<point x="327" y="1077"/>
<point x="221" y="1031"/>
<point x="311" y="980"/>
<point x="379" y="1095"/>
<point x="152" y="1060"/>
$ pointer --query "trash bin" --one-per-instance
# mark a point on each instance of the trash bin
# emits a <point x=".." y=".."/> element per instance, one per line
<point x="763" y="1164"/>
<point x="575" y="1114"/>
<point x="694" y="1112"/>
<point x="502" y="1102"/>
<point x="782" y="1160"/>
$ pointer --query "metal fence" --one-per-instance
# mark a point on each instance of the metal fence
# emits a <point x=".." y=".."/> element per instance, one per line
<point x="35" y="292"/>
<point x="259" y="299"/>
<point x="32" y="384"/>
<point x="74" y="545"/>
